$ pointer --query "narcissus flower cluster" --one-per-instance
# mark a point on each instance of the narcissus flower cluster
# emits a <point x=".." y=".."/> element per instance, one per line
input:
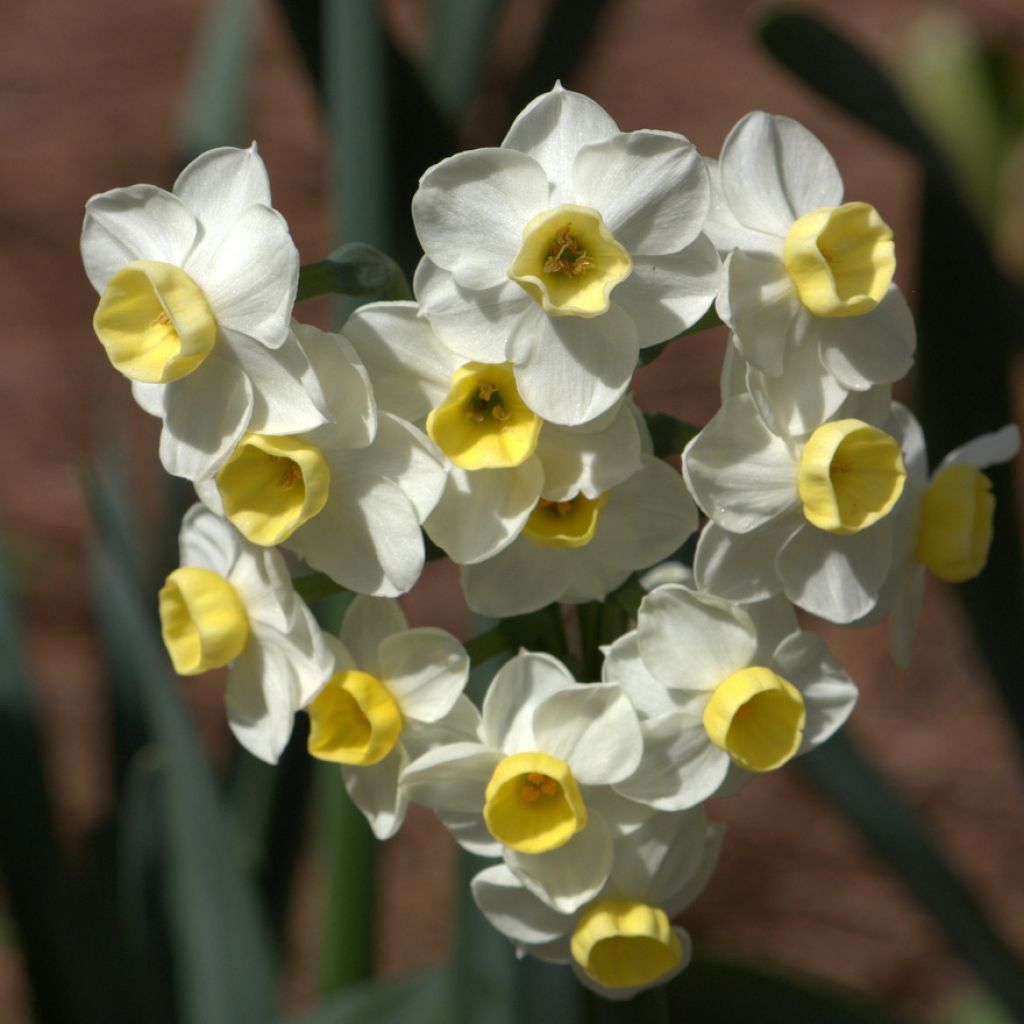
<point x="490" y="421"/>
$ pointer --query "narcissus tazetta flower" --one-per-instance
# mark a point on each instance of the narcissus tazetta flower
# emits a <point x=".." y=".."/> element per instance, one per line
<point x="196" y="292"/>
<point x="233" y="603"/>
<point x="565" y="251"/>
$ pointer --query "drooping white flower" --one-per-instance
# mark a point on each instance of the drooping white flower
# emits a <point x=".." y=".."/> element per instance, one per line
<point x="535" y="786"/>
<point x="807" y="513"/>
<point x="348" y="496"/>
<point x="716" y="693"/>
<point x="395" y="692"/>
<point x="504" y="456"/>
<point x="233" y="603"/>
<point x="807" y="279"/>
<point x="622" y="941"/>
<point x="196" y="292"/>
<point x="581" y="548"/>
<point x="564" y="251"/>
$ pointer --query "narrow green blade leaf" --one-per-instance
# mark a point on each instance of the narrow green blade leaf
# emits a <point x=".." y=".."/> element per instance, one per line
<point x="421" y="999"/>
<point x="459" y="51"/>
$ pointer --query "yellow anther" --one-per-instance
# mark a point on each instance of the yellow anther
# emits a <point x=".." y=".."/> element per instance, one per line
<point x="566" y="256"/>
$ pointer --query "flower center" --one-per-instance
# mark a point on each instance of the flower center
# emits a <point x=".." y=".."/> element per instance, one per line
<point x="841" y="259"/>
<point x="532" y="803"/>
<point x="202" y="619"/>
<point x="757" y="718"/>
<point x="483" y="423"/>
<point x="955" y="532"/>
<point x="154" y="322"/>
<point x="569" y="262"/>
<point x="850" y="476"/>
<point x="353" y="720"/>
<point x="626" y="944"/>
<point x="565" y="524"/>
<point x="270" y="486"/>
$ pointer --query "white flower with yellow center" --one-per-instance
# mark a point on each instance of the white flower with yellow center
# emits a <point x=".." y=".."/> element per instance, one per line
<point x="580" y="548"/>
<point x="536" y="786"/>
<point x="394" y="693"/>
<point x="504" y="457"/>
<point x="349" y="496"/>
<point x="622" y="941"/>
<point x="232" y="603"/>
<point x="944" y="525"/>
<point x="196" y="291"/>
<point x="565" y="251"/>
<point x="808" y="513"/>
<point x="720" y="694"/>
<point x="808" y="278"/>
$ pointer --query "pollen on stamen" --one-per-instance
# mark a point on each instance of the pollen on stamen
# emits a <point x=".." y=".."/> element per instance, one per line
<point x="291" y="474"/>
<point x="566" y="256"/>
<point x="529" y="793"/>
<point x="500" y="413"/>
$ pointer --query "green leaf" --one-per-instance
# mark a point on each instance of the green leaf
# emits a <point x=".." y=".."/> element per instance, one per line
<point x="668" y="434"/>
<point x="222" y="954"/>
<point x="889" y="825"/>
<point x="460" y="44"/>
<point x="420" y="999"/>
<point x="316" y="586"/>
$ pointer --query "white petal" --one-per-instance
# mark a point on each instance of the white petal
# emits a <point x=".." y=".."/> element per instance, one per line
<point x="693" y="641"/>
<point x="773" y="170"/>
<point x="249" y="275"/>
<point x="451" y="778"/>
<point x="376" y="792"/>
<point x="667" y="294"/>
<point x="410" y="369"/>
<point x="483" y="511"/>
<point x="741" y="566"/>
<point x="593" y="729"/>
<point x="741" y="474"/>
<point x="573" y="874"/>
<point x="206" y="414"/>
<point x="518" y="687"/>
<point x="208" y="541"/>
<point x="553" y="128"/>
<point x="624" y="666"/>
<point x="519" y="579"/>
<point x="725" y="231"/>
<point x="650" y="187"/>
<point x="988" y="449"/>
<point x="367" y="622"/>
<point x="470" y="211"/>
<point x="570" y="369"/>
<point x="515" y="911"/>
<point x="221" y="184"/>
<point x="151" y="397"/>
<point x="142" y="222"/>
<point x="425" y="670"/>
<point x="876" y="348"/>
<point x="406" y="455"/>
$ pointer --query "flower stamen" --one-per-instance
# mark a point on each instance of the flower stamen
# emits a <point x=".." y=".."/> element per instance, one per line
<point x="566" y="256"/>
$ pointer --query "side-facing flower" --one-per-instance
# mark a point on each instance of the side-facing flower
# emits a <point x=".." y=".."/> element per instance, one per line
<point x="395" y="692"/>
<point x="719" y="695"/>
<point x="535" y="786"/>
<point x="233" y="603"/>
<point x="565" y="250"/>
<point x="349" y="496"/>
<point x="196" y="291"/>
<point x="622" y="941"/>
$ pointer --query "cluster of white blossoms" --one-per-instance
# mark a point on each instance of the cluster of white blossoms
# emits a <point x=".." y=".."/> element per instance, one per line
<point x="492" y="416"/>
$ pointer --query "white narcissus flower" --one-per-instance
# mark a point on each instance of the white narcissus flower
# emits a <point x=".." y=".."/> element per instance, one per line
<point x="196" y="292"/>
<point x="622" y="941"/>
<point x="536" y="786"/>
<point x="807" y="514"/>
<point x="717" y="695"/>
<point x="581" y="548"/>
<point x="395" y="692"/>
<point x="504" y="457"/>
<point x="565" y="251"/>
<point x="348" y="496"/>
<point x="233" y="603"/>
<point x="807" y="279"/>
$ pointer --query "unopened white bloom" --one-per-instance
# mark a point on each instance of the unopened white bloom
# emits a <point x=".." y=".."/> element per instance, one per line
<point x="394" y="693"/>
<point x="805" y="513"/>
<point x="504" y="457"/>
<point x="565" y="251"/>
<point x="581" y="548"/>
<point x="714" y="691"/>
<point x="535" y="786"/>
<point x="349" y="496"/>
<point x="233" y="603"/>
<point x="196" y="291"/>
<point x="622" y="941"/>
<point x="808" y="279"/>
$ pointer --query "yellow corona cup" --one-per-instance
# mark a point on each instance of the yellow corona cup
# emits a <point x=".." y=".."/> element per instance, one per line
<point x="353" y="720"/>
<point x="955" y="531"/>
<point x="202" y="619"/>
<point x="569" y="262"/>
<point x="154" y="322"/>
<point x="565" y="524"/>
